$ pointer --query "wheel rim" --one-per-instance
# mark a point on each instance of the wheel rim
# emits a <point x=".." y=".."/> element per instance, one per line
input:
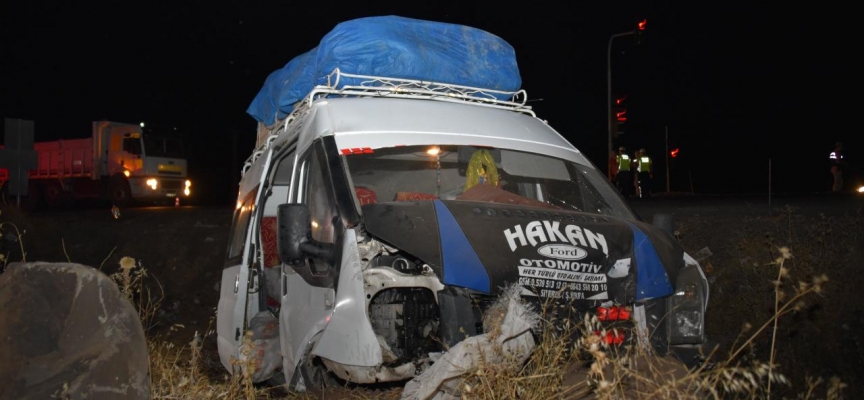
<point x="120" y="193"/>
<point x="52" y="195"/>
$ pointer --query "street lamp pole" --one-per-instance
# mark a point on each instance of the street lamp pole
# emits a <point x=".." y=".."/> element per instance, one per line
<point x="609" y="120"/>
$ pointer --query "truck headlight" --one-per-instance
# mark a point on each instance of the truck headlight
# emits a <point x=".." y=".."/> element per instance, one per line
<point x="687" y="307"/>
<point x="188" y="189"/>
<point x="153" y="183"/>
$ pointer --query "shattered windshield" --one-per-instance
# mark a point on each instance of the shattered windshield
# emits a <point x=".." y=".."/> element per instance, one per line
<point x="468" y="173"/>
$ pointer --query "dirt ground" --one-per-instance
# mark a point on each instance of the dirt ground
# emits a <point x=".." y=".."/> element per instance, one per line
<point x="824" y="336"/>
<point x="183" y="249"/>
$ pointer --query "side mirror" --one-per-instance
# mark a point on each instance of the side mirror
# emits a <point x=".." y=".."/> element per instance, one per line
<point x="293" y="224"/>
<point x="295" y="242"/>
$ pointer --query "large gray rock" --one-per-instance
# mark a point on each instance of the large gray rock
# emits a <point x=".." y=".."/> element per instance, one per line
<point x="67" y="331"/>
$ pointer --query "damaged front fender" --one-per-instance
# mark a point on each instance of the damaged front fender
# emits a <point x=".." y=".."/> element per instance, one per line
<point x="348" y="337"/>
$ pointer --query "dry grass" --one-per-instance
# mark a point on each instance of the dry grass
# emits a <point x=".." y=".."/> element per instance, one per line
<point x="775" y="295"/>
<point x="786" y="290"/>
<point x="820" y="334"/>
<point x="568" y="363"/>
<point x="179" y="372"/>
<point x="588" y="368"/>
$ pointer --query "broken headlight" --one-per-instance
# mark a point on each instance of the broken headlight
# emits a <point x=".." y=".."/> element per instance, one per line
<point x="686" y="307"/>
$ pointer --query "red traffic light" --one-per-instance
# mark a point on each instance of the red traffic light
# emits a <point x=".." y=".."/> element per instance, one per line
<point x="620" y="110"/>
<point x="674" y="153"/>
<point x="641" y="24"/>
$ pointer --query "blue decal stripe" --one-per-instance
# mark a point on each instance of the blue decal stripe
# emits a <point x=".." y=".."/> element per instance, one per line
<point x="462" y="266"/>
<point x="651" y="279"/>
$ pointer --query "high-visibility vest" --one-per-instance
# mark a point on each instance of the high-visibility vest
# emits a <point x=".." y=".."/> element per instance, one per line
<point x="623" y="162"/>
<point x="644" y="164"/>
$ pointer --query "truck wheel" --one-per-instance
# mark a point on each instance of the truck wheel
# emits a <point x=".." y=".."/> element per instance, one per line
<point x="55" y="196"/>
<point x="121" y="195"/>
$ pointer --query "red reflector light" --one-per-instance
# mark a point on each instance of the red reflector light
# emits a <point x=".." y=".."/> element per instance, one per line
<point x="357" y="150"/>
<point x="602" y="313"/>
<point x="613" y="336"/>
<point x="614" y="313"/>
<point x="623" y="314"/>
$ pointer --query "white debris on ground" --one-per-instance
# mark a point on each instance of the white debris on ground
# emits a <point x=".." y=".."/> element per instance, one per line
<point x="702" y="254"/>
<point x="507" y="325"/>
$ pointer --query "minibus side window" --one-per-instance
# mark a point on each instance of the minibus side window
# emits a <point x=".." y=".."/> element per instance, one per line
<point x="237" y="237"/>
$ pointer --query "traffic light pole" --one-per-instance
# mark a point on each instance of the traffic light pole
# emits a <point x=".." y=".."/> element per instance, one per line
<point x="609" y="120"/>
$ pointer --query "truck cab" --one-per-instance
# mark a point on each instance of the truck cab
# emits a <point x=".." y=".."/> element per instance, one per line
<point x="140" y="165"/>
<point x="374" y="224"/>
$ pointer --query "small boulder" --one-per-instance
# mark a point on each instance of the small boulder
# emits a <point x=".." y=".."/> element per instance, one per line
<point x="68" y="332"/>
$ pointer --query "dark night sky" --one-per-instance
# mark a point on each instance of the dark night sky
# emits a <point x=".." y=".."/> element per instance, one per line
<point x="736" y="84"/>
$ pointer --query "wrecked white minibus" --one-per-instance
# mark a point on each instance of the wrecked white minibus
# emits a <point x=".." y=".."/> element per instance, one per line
<point x="378" y="216"/>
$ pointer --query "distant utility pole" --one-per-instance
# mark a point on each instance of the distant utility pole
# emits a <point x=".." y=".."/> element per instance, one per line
<point x="18" y="156"/>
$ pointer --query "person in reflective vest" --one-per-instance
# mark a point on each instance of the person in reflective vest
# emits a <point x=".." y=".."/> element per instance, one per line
<point x="624" y="179"/>
<point x="645" y="173"/>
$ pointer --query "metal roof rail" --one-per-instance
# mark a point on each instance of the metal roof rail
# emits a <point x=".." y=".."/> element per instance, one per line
<point x="378" y="86"/>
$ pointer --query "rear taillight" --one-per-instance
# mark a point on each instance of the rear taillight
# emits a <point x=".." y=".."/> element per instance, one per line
<point x="613" y="336"/>
<point x="614" y="313"/>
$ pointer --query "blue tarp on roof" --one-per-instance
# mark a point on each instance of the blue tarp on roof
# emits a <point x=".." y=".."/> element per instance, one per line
<point x="394" y="47"/>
